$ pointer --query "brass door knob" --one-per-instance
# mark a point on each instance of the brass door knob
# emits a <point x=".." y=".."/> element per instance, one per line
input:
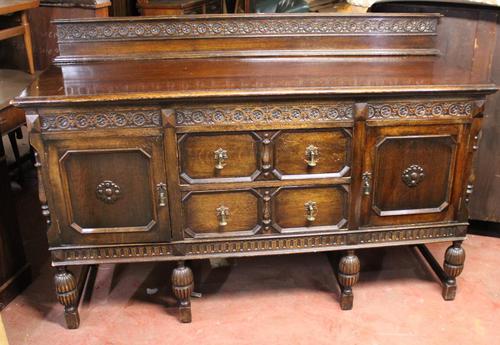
<point x="220" y="156"/>
<point x="312" y="154"/>
<point x="311" y="211"/>
<point x="222" y="215"/>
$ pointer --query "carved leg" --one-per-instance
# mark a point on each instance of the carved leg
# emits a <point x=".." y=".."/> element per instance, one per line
<point x="182" y="286"/>
<point x="67" y="295"/>
<point x="348" y="275"/>
<point x="453" y="265"/>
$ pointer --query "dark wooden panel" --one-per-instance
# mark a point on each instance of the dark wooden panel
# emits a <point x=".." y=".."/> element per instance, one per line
<point x="203" y="213"/>
<point x="218" y="156"/>
<point x="307" y="154"/>
<point x="412" y="174"/>
<point x="109" y="190"/>
<point x="310" y="208"/>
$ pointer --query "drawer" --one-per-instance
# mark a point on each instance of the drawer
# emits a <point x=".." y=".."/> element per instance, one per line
<point x="219" y="214"/>
<point x="207" y="157"/>
<point x="312" y="153"/>
<point x="247" y="156"/>
<point x="311" y="208"/>
<point x="265" y="210"/>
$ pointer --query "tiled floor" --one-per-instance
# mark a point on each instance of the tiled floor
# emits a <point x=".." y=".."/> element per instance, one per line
<point x="276" y="300"/>
<point x="267" y="300"/>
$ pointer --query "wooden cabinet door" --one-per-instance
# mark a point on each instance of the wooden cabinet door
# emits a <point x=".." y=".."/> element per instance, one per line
<point x="410" y="174"/>
<point x="110" y="190"/>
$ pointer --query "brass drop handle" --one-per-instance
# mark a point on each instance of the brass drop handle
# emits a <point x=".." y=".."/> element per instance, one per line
<point x="222" y="214"/>
<point x="311" y="211"/>
<point x="312" y="154"/>
<point x="220" y="156"/>
<point x="162" y="194"/>
<point x="367" y="183"/>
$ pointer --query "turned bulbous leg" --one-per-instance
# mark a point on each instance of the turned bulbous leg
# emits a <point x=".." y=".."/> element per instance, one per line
<point x="182" y="286"/>
<point x="453" y="265"/>
<point x="67" y="295"/>
<point x="348" y="275"/>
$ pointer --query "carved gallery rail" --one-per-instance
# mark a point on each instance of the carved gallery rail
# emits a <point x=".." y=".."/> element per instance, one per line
<point x="230" y="136"/>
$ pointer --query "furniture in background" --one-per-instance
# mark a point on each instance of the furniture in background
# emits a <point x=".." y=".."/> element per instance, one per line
<point x="14" y="270"/>
<point x="171" y="7"/>
<point x="151" y="151"/>
<point x="18" y="7"/>
<point x="12" y="82"/>
<point x="179" y="7"/>
<point x="123" y="8"/>
<point x="282" y="6"/>
<point x="44" y="34"/>
<point x="469" y="36"/>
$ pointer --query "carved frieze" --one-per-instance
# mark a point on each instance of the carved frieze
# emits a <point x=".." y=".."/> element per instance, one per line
<point x="243" y="27"/>
<point x="100" y="120"/>
<point x="433" y="109"/>
<point x="264" y="113"/>
<point x="256" y="245"/>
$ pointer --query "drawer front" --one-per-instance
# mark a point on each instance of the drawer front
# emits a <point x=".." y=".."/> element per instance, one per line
<point x="264" y="155"/>
<point x="310" y="208"/>
<point x="219" y="214"/>
<point x="312" y="153"/>
<point x="219" y="157"/>
<point x="249" y="212"/>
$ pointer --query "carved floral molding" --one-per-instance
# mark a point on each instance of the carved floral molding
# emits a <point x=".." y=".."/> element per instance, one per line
<point x="101" y="120"/>
<point x="401" y="110"/>
<point x="241" y="27"/>
<point x="233" y="114"/>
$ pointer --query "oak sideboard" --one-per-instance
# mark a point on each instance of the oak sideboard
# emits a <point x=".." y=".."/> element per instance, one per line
<point x="195" y="137"/>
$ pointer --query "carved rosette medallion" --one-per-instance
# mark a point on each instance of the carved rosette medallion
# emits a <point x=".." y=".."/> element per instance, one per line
<point x="108" y="191"/>
<point x="413" y="175"/>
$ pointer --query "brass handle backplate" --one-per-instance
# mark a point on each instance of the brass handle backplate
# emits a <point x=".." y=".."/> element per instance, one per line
<point x="162" y="194"/>
<point x="222" y="215"/>
<point x="220" y="156"/>
<point x="312" y="154"/>
<point x="367" y="183"/>
<point x="311" y="211"/>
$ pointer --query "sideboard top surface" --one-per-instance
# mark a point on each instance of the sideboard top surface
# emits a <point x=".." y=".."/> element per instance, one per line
<point x="184" y="57"/>
<point x="226" y="77"/>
